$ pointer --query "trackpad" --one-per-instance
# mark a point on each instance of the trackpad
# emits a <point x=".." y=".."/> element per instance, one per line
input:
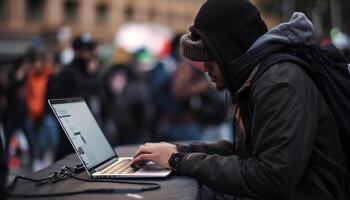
<point x="152" y="168"/>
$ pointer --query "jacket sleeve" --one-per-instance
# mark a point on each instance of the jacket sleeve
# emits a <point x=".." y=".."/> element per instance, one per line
<point x="222" y="147"/>
<point x="282" y="134"/>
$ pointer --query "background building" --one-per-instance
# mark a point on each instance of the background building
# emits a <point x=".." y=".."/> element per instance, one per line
<point x="325" y="14"/>
<point x="20" y="20"/>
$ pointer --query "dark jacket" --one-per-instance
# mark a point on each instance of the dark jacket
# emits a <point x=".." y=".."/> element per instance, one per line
<point x="289" y="129"/>
<point x="74" y="81"/>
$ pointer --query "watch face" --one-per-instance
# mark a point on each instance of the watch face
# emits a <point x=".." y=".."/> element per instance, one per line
<point x="175" y="160"/>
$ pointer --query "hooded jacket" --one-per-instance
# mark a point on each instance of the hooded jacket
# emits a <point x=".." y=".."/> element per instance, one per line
<point x="289" y="128"/>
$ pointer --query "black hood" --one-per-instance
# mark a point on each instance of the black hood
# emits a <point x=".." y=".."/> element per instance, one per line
<point x="285" y="37"/>
<point x="228" y="28"/>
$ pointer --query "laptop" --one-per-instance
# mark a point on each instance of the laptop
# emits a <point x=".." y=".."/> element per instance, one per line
<point x="92" y="147"/>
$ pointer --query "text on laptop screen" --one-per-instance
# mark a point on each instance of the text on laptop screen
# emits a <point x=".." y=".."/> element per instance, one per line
<point x="84" y="132"/>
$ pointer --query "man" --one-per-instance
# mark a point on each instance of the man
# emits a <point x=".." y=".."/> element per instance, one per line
<point x="39" y="131"/>
<point x="285" y="125"/>
<point x="125" y="106"/>
<point x="78" y="79"/>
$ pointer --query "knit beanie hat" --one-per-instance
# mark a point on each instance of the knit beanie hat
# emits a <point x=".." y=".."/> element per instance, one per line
<point x="223" y="30"/>
<point x="193" y="48"/>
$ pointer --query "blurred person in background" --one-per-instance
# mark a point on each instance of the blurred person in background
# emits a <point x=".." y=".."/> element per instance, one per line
<point x="198" y="105"/>
<point x="162" y="99"/>
<point x="3" y="166"/>
<point x="3" y="155"/>
<point x="185" y="102"/>
<point x="15" y="110"/>
<point x="41" y="129"/>
<point x="3" y="90"/>
<point x="78" y="79"/>
<point x="126" y="109"/>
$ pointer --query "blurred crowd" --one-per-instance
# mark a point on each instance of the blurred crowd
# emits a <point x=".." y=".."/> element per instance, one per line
<point x="135" y="97"/>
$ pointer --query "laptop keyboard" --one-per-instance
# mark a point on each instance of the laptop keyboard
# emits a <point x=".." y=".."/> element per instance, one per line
<point x="122" y="167"/>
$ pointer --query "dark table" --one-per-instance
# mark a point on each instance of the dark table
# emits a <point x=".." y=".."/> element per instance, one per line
<point x="172" y="187"/>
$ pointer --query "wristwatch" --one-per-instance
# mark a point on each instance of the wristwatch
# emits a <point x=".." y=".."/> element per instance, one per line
<point x="175" y="160"/>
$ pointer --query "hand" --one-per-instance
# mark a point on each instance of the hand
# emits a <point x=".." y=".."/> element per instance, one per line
<point x="156" y="152"/>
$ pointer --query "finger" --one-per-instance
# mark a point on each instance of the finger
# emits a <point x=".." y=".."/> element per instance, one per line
<point x="143" y="157"/>
<point x="139" y="150"/>
<point x="136" y="160"/>
<point x="142" y="150"/>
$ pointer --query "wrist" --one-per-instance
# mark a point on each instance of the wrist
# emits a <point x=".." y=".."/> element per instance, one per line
<point x="175" y="161"/>
<point x="183" y="148"/>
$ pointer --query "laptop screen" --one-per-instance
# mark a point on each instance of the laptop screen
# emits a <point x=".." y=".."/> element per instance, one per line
<point x="83" y="131"/>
